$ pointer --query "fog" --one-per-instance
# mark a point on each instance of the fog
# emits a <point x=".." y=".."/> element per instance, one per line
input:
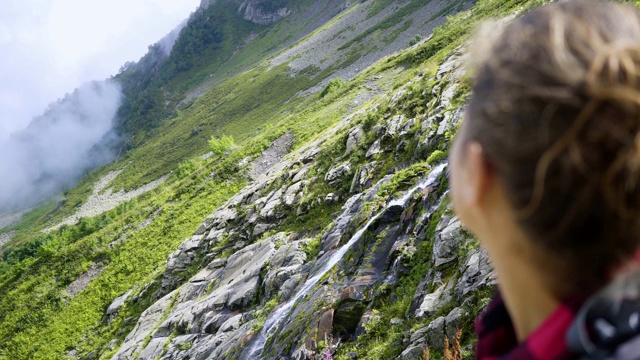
<point x="49" y="48"/>
<point x="56" y="149"/>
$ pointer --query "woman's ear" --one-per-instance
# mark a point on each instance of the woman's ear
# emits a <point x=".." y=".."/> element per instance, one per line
<point x="479" y="176"/>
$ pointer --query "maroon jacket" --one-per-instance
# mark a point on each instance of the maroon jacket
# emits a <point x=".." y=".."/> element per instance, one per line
<point x="605" y="326"/>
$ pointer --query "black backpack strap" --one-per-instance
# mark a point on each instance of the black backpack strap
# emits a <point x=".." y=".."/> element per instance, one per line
<point x="608" y="321"/>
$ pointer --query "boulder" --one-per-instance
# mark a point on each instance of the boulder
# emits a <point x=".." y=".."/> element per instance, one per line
<point x="432" y="302"/>
<point x="291" y="195"/>
<point x="233" y="323"/>
<point x="118" y="303"/>
<point x="476" y="272"/>
<point x="353" y="139"/>
<point x="447" y="242"/>
<point x="338" y="173"/>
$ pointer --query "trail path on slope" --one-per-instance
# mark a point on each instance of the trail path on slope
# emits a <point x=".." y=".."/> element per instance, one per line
<point x="100" y="203"/>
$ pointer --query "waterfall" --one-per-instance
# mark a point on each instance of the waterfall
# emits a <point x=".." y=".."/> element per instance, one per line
<point x="275" y="319"/>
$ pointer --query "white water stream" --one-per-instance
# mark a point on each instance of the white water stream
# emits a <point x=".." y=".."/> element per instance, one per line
<point x="276" y="318"/>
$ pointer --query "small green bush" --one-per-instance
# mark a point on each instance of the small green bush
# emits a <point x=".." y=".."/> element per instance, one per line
<point x="333" y="85"/>
<point x="221" y="145"/>
<point x="416" y="39"/>
<point x="436" y="157"/>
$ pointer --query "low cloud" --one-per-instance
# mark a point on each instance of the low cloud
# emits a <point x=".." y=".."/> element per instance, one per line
<point x="73" y="136"/>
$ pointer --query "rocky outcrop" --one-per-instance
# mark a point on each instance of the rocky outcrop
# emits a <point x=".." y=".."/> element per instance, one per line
<point x="263" y="12"/>
<point x="245" y="286"/>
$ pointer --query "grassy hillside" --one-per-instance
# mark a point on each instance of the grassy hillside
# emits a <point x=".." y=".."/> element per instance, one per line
<point x="42" y="313"/>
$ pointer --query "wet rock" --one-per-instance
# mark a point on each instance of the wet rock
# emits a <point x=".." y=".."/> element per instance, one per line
<point x="347" y="318"/>
<point x="391" y="214"/>
<point x="321" y="330"/>
<point x="331" y="238"/>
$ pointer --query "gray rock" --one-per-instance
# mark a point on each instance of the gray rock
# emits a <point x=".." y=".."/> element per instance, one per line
<point x="353" y="139"/>
<point x="476" y="272"/>
<point x="310" y="155"/>
<point x="285" y="263"/>
<point x="454" y="322"/>
<point x="447" y="242"/>
<point x="288" y="287"/>
<point x="301" y="173"/>
<point x="147" y="323"/>
<point x="331" y="238"/>
<point x="412" y="353"/>
<point x="154" y="349"/>
<point x="394" y="125"/>
<point x="337" y="173"/>
<point x="82" y="281"/>
<point x="331" y="198"/>
<point x="434" y="333"/>
<point x="254" y="12"/>
<point x="118" y="303"/>
<point x="261" y="228"/>
<point x="232" y="324"/>
<point x="374" y="149"/>
<point x="217" y="263"/>
<point x="291" y="195"/>
<point x="432" y="302"/>
<point x="270" y="210"/>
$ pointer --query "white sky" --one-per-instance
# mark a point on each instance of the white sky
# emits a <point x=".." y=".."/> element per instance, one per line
<point x="49" y="47"/>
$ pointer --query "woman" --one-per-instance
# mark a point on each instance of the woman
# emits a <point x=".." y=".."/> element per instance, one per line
<point x="546" y="173"/>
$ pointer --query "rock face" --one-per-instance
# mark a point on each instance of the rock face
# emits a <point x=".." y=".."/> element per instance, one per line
<point x="263" y="12"/>
<point x="243" y="264"/>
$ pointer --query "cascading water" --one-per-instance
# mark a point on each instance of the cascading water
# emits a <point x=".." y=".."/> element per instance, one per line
<point x="276" y="318"/>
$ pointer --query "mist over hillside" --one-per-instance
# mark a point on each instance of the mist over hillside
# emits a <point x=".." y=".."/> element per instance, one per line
<point x="73" y="136"/>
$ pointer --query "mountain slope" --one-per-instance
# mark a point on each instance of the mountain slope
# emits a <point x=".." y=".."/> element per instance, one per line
<point x="314" y="181"/>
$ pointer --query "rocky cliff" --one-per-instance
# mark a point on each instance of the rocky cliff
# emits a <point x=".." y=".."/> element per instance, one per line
<point x="263" y="12"/>
<point x="262" y="292"/>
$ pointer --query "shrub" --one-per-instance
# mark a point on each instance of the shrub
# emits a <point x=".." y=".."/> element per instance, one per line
<point x="221" y="145"/>
<point x="333" y="85"/>
<point x="436" y="157"/>
<point x="416" y="39"/>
